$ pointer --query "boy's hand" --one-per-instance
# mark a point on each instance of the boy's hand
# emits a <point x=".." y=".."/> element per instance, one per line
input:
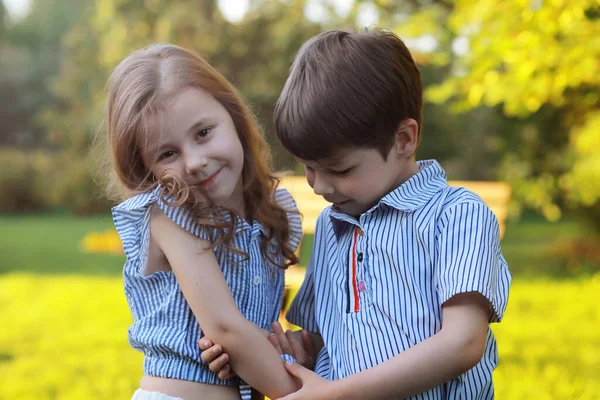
<point x="313" y="386"/>
<point x="298" y="344"/>
<point x="217" y="361"/>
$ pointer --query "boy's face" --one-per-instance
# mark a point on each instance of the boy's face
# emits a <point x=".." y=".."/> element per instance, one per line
<point x="354" y="180"/>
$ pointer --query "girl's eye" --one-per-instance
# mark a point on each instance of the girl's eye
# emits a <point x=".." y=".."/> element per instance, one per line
<point x="165" y="155"/>
<point x="202" y="133"/>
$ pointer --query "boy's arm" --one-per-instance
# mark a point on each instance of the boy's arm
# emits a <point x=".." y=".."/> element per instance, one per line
<point x="207" y="293"/>
<point x="458" y="347"/>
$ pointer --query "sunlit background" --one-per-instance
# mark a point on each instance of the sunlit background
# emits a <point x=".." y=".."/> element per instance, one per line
<point x="512" y="95"/>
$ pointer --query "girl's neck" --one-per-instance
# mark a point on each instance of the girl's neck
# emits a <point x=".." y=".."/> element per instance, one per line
<point x="237" y="203"/>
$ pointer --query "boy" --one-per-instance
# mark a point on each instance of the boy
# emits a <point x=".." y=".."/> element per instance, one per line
<point x="406" y="272"/>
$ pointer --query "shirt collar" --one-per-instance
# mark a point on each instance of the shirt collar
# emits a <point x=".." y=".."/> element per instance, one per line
<point x="256" y="228"/>
<point x="411" y="195"/>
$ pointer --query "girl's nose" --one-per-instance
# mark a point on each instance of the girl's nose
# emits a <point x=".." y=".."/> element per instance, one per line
<point x="195" y="163"/>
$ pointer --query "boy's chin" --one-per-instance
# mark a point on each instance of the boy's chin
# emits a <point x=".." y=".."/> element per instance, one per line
<point x="351" y="208"/>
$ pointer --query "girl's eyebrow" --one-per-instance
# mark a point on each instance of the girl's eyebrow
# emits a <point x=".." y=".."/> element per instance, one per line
<point x="154" y="146"/>
<point x="201" y="122"/>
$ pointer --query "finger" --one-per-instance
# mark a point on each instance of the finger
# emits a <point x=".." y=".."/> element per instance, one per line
<point x="219" y="363"/>
<point x="285" y="344"/>
<point x="296" y="370"/>
<point x="275" y="342"/>
<point x="309" y="344"/>
<point x="277" y="329"/>
<point x="204" y="343"/>
<point x="297" y="348"/>
<point x="211" y="354"/>
<point x="225" y="373"/>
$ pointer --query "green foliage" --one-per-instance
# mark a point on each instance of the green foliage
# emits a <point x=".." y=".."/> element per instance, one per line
<point x="539" y="60"/>
<point x="75" y="187"/>
<point x="31" y="56"/>
<point x="254" y="54"/>
<point x="22" y="182"/>
<point x="95" y="45"/>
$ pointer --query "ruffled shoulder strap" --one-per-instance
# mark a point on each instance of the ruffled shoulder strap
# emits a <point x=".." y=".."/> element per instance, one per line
<point x="287" y="202"/>
<point x="132" y="220"/>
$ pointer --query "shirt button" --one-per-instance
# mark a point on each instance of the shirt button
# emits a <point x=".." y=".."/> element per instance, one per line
<point x="360" y="257"/>
<point x="361" y="286"/>
<point x="257" y="280"/>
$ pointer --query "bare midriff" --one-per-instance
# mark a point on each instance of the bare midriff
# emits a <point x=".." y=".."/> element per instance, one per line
<point x="189" y="390"/>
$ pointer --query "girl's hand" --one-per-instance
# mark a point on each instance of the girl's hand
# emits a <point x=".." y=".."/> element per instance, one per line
<point x="313" y="386"/>
<point x="218" y="362"/>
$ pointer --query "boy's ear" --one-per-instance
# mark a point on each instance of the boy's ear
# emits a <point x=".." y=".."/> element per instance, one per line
<point x="407" y="137"/>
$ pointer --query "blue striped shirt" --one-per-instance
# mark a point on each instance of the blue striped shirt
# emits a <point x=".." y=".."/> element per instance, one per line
<point x="164" y="327"/>
<point x="375" y="285"/>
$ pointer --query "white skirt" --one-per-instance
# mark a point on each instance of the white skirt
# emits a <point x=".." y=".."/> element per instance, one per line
<point x="141" y="394"/>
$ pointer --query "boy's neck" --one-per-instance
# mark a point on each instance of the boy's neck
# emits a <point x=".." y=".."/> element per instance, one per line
<point x="411" y="169"/>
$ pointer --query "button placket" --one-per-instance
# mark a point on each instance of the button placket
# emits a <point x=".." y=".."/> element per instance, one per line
<point x="361" y="273"/>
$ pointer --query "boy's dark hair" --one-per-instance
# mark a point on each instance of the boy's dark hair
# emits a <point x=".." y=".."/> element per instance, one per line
<point x="348" y="89"/>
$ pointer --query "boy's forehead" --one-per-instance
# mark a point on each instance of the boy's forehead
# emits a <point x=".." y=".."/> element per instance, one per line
<point x="338" y="157"/>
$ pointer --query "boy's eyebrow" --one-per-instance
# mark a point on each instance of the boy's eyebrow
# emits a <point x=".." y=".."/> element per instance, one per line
<point x="333" y="161"/>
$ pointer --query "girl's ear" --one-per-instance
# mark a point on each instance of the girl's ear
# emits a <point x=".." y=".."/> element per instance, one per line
<point x="407" y="137"/>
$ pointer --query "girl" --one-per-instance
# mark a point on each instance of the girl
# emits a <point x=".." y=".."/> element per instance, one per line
<point x="206" y="234"/>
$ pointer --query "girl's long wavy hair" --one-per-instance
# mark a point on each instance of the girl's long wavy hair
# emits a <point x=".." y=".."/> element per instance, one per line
<point x="137" y="90"/>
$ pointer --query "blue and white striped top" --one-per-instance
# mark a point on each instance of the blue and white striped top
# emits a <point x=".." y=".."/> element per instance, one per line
<point x="375" y="286"/>
<point x="164" y="327"/>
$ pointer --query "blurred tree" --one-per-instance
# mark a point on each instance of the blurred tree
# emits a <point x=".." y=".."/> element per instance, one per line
<point x="254" y="54"/>
<point x="31" y="57"/>
<point x="539" y="60"/>
<point x="469" y="144"/>
<point x="3" y="16"/>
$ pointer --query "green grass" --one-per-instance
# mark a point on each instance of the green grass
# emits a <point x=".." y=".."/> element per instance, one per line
<point x="530" y="247"/>
<point x="48" y="244"/>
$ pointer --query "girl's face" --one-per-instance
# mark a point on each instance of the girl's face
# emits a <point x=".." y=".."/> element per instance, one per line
<point x="198" y="143"/>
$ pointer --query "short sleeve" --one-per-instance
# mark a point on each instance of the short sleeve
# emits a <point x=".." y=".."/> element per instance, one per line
<point x="323" y="366"/>
<point x="287" y="202"/>
<point x="302" y="310"/>
<point x="132" y="222"/>
<point x="131" y="219"/>
<point x="469" y="258"/>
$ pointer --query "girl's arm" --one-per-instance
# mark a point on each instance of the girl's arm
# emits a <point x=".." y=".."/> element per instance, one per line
<point x="455" y="349"/>
<point x="206" y="291"/>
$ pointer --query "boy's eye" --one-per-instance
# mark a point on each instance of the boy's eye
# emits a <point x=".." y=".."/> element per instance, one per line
<point x="165" y="155"/>
<point x="202" y="133"/>
<point x="342" y="172"/>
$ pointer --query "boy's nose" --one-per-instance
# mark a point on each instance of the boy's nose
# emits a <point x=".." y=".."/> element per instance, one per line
<point x="321" y="187"/>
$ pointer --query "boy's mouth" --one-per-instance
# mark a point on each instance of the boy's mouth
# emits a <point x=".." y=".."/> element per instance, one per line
<point x="339" y="203"/>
